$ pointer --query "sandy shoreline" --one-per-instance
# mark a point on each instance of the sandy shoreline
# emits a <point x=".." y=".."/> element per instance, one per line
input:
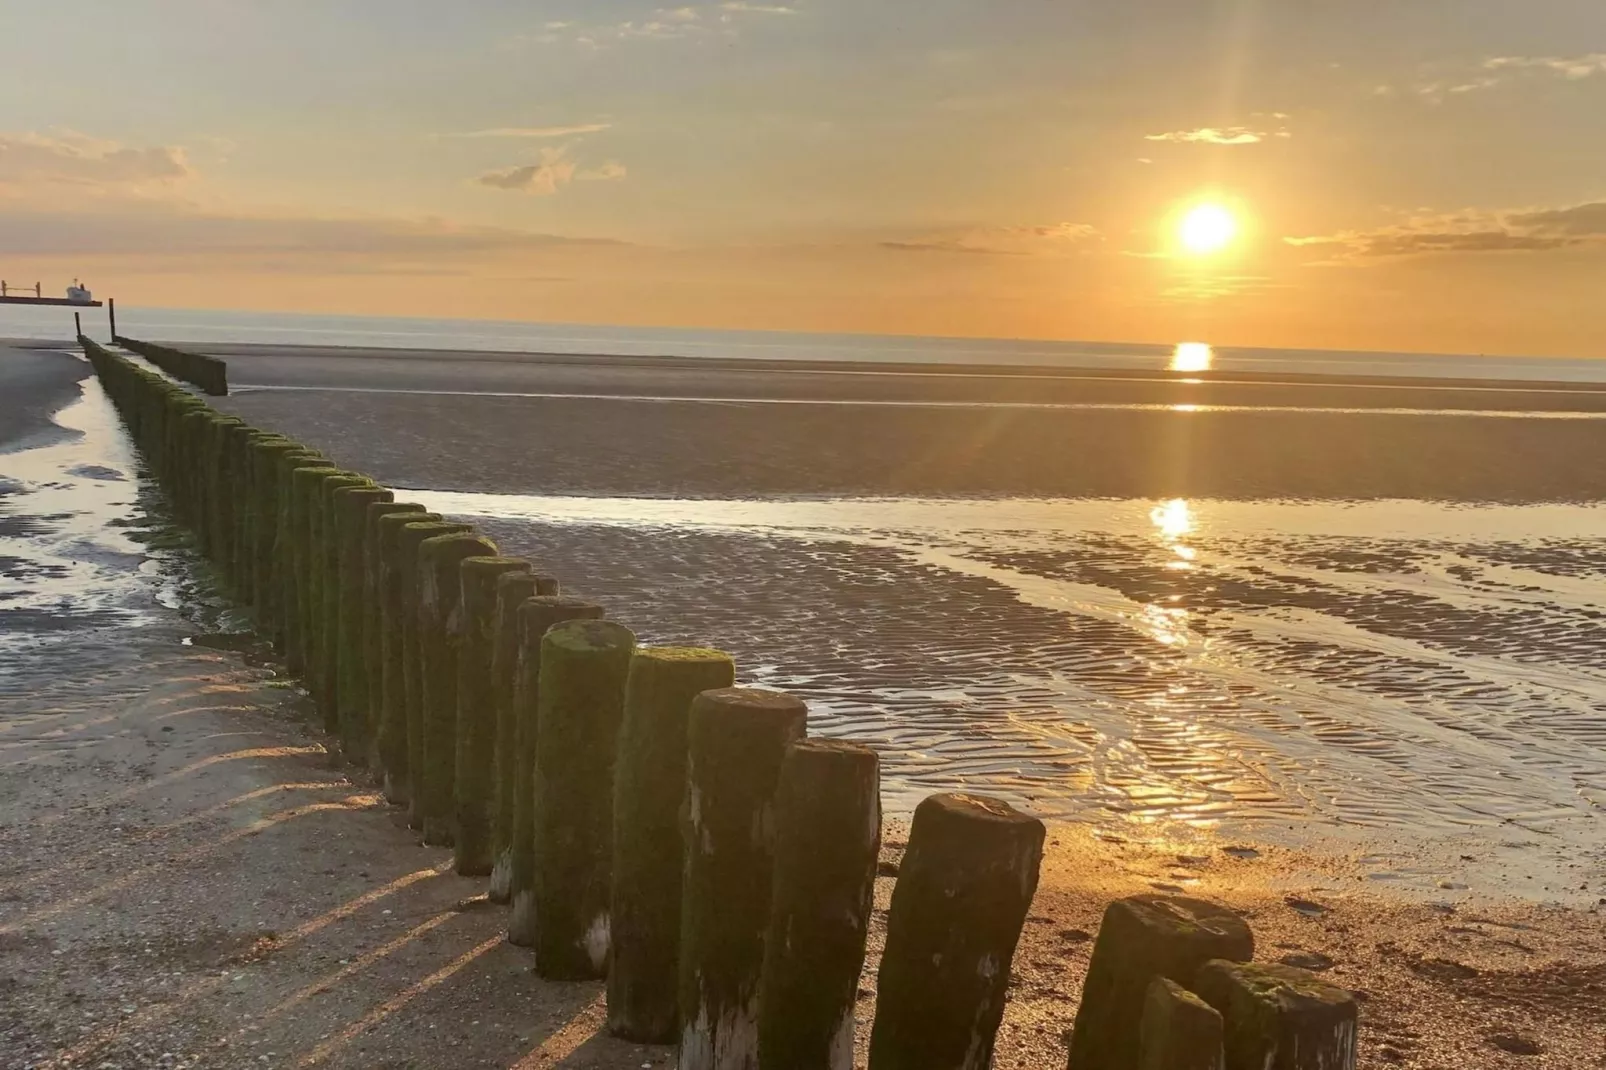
<point x="181" y="872"/>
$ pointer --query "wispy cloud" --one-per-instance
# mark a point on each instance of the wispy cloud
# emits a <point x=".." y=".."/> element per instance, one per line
<point x="76" y="159"/>
<point x="688" y="22"/>
<point x="1502" y="70"/>
<point x="1224" y="135"/>
<point x="554" y="170"/>
<point x="1046" y="239"/>
<point x="577" y="130"/>
<point x="1472" y="232"/>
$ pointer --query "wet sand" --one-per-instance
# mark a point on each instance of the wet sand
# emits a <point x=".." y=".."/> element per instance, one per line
<point x="673" y="429"/>
<point x="218" y="894"/>
<point x="33" y="384"/>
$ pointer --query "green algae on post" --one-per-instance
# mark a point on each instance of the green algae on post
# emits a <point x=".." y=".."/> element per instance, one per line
<point x="1140" y="938"/>
<point x="398" y="650"/>
<point x="474" y="785"/>
<point x="326" y="570"/>
<point x="736" y="743"/>
<point x="584" y="664"/>
<point x="535" y="617"/>
<point x="408" y="539"/>
<point x="647" y="855"/>
<point x="962" y="896"/>
<point x="1179" y="1031"/>
<point x="512" y="588"/>
<point x="827" y="843"/>
<point x="440" y="642"/>
<point x="349" y="642"/>
<point x="374" y="609"/>
<point x="1278" y="1017"/>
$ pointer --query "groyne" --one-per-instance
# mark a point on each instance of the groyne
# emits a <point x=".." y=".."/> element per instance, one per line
<point x="544" y="745"/>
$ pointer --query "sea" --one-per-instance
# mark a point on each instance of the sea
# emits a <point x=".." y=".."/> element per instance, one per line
<point x="200" y="326"/>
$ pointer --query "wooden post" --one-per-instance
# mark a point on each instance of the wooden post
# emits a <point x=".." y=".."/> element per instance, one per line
<point x="1179" y="1031"/>
<point x="827" y="842"/>
<point x="475" y="780"/>
<point x="77" y="326"/>
<point x="1279" y="1018"/>
<point x="111" y="313"/>
<point x="535" y="617"/>
<point x="297" y="599"/>
<point x="512" y="588"/>
<point x="1143" y="937"/>
<point x="584" y="664"/>
<point x="377" y="603"/>
<point x="325" y="573"/>
<point x="440" y="596"/>
<point x="347" y="645"/>
<point x="962" y="895"/>
<point x="398" y="649"/>
<point x="736" y="743"/>
<point x="647" y="856"/>
<point x="408" y="540"/>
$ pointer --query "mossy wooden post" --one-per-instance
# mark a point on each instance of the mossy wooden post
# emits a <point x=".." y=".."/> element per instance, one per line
<point x="966" y="883"/>
<point x="535" y="617"/>
<point x="411" y="536"/>
<point x="326" y="598"/>
<point x="397" y="658"/>
<point x="350" y="646"/>
<point x="188" y="496"/>
<point x="440" y="596"/>
<point x="1143" y="937"/>
<point x="648" y="859"/>
<point x="827" y="842"/>
<point x="1278" y="1017"/>
<point x="512" y="588"/>
<point x="474" y="785"/>
<point x="1179" y="1031"/>
<point x="297" y="583"/>
<point x="584" y="664"/>
<point x="263" y="541"/>
<point x="736" y="743"/>
<point x="278" y="573"/>
<point x="375" y="608"/>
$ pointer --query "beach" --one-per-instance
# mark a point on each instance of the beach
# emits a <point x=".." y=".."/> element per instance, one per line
<point x="1323" y="651"/>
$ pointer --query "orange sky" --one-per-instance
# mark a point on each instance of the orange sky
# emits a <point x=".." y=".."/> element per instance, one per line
<point x="1406" y="176"/>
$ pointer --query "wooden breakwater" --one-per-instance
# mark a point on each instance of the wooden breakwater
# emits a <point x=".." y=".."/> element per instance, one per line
<point x="649" y="822"/>
<point x="207" y="373"/>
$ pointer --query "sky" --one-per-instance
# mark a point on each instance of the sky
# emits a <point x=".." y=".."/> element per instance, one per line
<point x="1411" y="175"/>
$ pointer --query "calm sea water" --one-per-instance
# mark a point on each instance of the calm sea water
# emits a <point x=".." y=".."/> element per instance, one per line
<point x="279" y="328"/>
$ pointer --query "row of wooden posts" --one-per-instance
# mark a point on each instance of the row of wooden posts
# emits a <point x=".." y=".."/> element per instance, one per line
<point x="652" y="823"/>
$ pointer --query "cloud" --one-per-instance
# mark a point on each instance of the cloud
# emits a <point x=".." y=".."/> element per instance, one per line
<point x="1581" y="220"/>
<point x="156" y="230"/>
<point x="73" y="159"/>
<point x="555" y="170"/>
<point x="1221" y="135"/>
<point x="1570" y="67"/>
<point x="576" y="130"/>
<point x="1036" y="240"/>
<point x="758" y="9"/>
<point x="1501" y="70"/>
<point x="1504" y="232"/>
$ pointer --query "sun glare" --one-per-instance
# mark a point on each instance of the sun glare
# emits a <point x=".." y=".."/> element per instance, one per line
<point x="1206" y="229"/>
<point x="1192" y="357"/>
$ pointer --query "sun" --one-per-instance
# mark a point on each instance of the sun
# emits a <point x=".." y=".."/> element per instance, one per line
<point x="1207" y="228"/>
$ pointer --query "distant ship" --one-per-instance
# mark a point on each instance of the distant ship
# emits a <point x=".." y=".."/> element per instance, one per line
<point x="79" y="295"/>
